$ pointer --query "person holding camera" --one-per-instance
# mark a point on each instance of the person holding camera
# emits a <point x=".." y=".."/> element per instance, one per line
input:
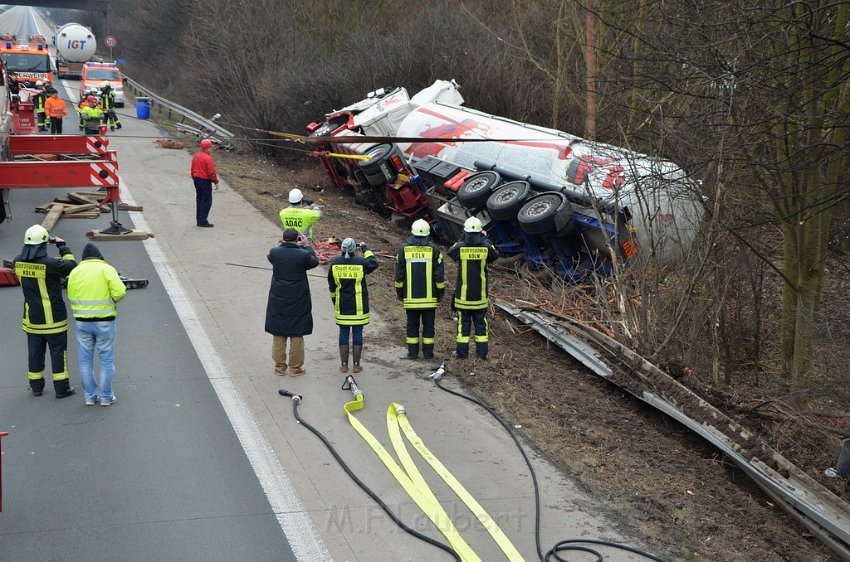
<point x="347" y="283"/>
<point x="289" y="312"/>
<point x="301" y="214"/>
<point x="45" y="319"/>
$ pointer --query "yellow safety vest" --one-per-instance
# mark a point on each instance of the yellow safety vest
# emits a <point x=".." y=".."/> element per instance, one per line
<point x="94" y="287"/>
<point x="300" y="218"/>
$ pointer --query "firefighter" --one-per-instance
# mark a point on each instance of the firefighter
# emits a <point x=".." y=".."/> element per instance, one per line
<point x="56" y="111"/>
<point x="420" y="284"/>
<point x="301" y="214"/>
<point x="48" y="88"/>
<point x="91" y="115"/>
<point x="471" y="301"/>
<point x="45" y="318"/>
<point x="107" y="102"/>
<point x="350" y="295"/>
<point x="38" y="101"/>
<point x="83" y="103"/>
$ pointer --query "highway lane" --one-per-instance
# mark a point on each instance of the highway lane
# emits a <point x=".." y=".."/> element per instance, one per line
<point x="160" y="475"/>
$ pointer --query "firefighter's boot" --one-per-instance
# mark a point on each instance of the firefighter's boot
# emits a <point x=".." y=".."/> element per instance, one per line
<point x="63" y="388"/>
<point x="343" y="357"/>
<point x="413" y="350"/>
<point x="356" y="350"/>
<point x="37" y="386"/>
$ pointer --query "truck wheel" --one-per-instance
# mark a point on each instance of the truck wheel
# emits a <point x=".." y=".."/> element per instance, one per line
<point x="538" y="214"/>
<point x="475" y="191"/>
<point x="373" y="169"/>
<point x="504" y="203"/>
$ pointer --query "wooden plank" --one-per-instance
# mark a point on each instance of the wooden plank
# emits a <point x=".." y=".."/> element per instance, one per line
<point x="132" y="235"/>
<point x="126" y="207"/>
<point x="52" y="217"/>
<point x="80" y="208"/>
<point x="79" y="198"/>
<point x="83" y="215"/>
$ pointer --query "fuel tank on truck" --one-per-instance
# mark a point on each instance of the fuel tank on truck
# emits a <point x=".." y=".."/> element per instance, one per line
<point x="75" y="43"/>
<point x="663" y="203"/>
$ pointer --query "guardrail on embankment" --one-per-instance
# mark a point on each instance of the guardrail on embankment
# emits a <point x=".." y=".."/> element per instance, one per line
<point x="206" y="127"/>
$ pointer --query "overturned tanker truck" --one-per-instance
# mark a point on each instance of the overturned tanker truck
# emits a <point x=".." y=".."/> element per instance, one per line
<point x="555" y="199"/>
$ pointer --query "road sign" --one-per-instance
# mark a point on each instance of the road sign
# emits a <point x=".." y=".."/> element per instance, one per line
<point x="110" y="41"/>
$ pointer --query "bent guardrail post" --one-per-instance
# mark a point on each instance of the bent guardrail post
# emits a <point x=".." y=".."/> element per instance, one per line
<point x="184" y="113"/>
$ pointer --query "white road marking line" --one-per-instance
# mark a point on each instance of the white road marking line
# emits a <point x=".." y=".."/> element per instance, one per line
<point x="296" y="524"/>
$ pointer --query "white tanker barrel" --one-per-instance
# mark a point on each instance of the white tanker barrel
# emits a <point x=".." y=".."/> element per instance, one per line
<point x="75" y="43"/>
<point x="663" y="202"/>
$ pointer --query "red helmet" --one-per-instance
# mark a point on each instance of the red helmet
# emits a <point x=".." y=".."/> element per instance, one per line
<point x="206" y="143"/>
<point x="91" y="99"/>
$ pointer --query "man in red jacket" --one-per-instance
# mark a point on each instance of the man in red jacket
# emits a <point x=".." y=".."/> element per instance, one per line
<point x="204" y="176"/>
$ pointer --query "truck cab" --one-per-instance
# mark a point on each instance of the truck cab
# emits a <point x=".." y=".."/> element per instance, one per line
<point x="25" y="61"/>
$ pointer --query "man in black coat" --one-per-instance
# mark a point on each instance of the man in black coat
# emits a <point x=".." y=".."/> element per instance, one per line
<point x="289" y="313"/>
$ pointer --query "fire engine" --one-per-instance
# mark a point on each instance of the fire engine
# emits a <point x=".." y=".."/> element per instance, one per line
<point x="558" y="200"/>
<point x="25" y="61"/>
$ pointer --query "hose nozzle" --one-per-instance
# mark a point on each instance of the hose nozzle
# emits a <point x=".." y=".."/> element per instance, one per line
<point x="295" y="397"/>
<point x="351" y="384"/>
<point x="438" y="374"/>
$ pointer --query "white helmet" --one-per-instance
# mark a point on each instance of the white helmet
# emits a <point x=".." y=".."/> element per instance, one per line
<point x="472" y="224"/>
<point x="104" y="84"/>
<point x="39" y="83"/>
<point x="35" y="235"/>
<point x="295" y="196"/>
<point x="420" y="228"/>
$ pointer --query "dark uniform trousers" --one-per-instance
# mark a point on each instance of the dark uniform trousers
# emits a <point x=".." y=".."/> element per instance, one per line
<point x="426" y="316"/>
<point x="37" y="345"/>
<point x="203" y="200"/>
<point x="465" y="321"/>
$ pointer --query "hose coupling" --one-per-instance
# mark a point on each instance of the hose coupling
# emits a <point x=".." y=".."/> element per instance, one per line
<point x="438" y="374"/>
<point x="399" y="410"/>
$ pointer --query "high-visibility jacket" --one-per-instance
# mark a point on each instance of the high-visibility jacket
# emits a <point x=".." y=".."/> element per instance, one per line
<point x="300" y="218"/>
<point x="94" y="287"/>
<point x="38" y="101"/>
<point x="347" y="284"/>
<point x="44" y="308"/>
<point x="472" y="288"/>
<point x="107" y="99"/>
<point x="419" y="273"/>
<point x="92" y="115"/>
<point x="55" y="107"/>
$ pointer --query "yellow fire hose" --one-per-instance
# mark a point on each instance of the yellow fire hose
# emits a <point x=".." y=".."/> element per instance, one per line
<point x="414" y="484"/>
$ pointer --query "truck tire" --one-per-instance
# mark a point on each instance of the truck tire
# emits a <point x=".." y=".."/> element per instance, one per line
<point x="538" y="214"/>
<point x="504" y="203"/>
<point x="374" y="168"/>
<point x="475" y="191"/>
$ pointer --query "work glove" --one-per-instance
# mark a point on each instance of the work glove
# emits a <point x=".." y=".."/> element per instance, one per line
<point x="57" y="241"/>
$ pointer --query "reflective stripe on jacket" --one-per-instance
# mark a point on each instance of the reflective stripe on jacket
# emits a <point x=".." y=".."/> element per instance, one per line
<point x="44" y="308"/>
<point x="93" y="289"/>
<point x="55" y="107"/>
<point x="472" y="288"/>
<point x="347" y="284"/>
<point x="419" y="273"/>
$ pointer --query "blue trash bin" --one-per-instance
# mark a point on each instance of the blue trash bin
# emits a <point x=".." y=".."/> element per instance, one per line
<point x="143" y="108"/>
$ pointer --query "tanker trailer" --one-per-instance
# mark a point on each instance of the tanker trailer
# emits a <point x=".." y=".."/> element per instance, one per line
<point x="558" y="199"/>
<point x="75" y="45"/>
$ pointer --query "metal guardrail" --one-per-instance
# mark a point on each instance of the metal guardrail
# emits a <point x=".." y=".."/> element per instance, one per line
<point x="825" y="514"/>
<point x="208" y="125"/>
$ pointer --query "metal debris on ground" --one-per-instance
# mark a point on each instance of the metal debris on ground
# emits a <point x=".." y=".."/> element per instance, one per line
<point x="168" y="143"/>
